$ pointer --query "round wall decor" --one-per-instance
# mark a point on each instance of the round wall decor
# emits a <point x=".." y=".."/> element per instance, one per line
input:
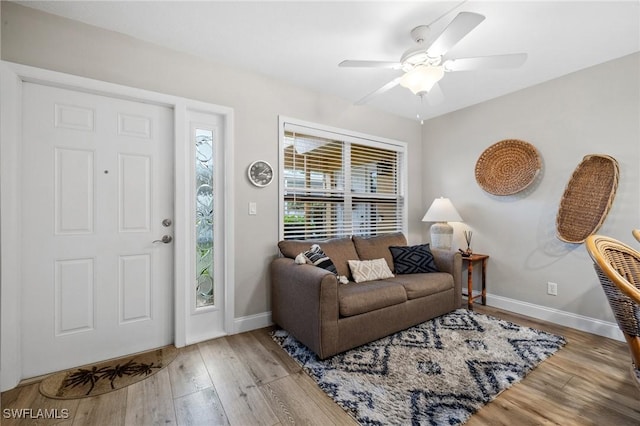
<point x="260" y="173"/>
<point x="507" y="167"/>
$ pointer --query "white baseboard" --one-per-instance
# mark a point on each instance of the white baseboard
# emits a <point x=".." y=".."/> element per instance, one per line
<point x="252" y="322"/>
<point x="567" y="319"/>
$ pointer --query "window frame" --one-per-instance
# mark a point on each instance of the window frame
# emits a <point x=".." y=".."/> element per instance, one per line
<point x="287" y="124"/>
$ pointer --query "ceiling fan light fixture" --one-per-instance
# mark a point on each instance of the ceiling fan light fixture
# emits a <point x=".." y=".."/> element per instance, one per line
<point x="424" y="64"/>
<point x="418" y="56"/>
<point x="414" y="56"/>
<point x="422" y="78"/>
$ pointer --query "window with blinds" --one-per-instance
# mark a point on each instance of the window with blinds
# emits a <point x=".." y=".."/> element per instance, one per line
<point x="335" y="184"/>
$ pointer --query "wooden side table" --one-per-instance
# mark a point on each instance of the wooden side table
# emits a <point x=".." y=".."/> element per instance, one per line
<point x="475" y="258"/>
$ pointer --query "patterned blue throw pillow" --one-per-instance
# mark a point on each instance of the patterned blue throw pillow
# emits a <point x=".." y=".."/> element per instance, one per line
<point x="413" y="259"/>
<point x="316" y="257"/>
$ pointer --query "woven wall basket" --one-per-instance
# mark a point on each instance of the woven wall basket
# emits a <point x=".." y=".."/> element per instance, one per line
<point x="507" y="167"/>
<point x="587" y="198"/>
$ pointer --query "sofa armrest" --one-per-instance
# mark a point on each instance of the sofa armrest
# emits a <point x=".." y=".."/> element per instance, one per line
<point x="450" y="261"/>
<point x="304" y="301"/>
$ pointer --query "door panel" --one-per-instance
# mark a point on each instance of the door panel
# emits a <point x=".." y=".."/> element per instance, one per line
<point x="74" y="283"/>
<point x="97" y="184"/>
<point x="134" y="203"/>
<point x="74" y="195"/>
<point x="135" y="288"/>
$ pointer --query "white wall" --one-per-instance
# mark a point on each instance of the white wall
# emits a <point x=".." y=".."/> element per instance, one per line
<point x="596" y="110"/>
<point x="37" y="39"/>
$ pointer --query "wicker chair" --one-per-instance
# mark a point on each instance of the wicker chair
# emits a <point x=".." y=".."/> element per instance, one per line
<point x="618" y="268"/>
<point x="636" y="234"/>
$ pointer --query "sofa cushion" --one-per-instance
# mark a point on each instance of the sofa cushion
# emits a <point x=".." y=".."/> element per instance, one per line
<point x="369" y="270"/>
<point x="413" y="259"/>
<point x="358" y="298"/>
<point x="421" y="285"/>
<point x="378" y="247"/>
<point x="339" y="250"/>
<point x="317" y="257"/>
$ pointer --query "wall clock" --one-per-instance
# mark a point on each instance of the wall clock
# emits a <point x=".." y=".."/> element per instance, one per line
<point x="260" y="173"/>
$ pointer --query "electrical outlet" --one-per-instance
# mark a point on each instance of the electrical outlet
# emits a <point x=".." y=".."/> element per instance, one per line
<point x="552" y="288"/>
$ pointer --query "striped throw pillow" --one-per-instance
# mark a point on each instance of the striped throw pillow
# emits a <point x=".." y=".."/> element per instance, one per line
<point x="316" y="257"/>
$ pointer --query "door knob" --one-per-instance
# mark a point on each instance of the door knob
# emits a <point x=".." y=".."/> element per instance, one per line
<point x="166" y="239"/>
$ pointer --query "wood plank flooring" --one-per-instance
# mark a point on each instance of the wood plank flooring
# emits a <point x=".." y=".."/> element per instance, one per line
<point x="246" y="379"/>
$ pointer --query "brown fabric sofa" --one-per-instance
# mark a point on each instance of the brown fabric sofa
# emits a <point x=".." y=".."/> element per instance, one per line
<point x="329" y="317"/>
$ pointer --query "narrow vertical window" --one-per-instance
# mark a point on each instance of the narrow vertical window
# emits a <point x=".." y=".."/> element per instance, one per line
<point x="204" y="217"/>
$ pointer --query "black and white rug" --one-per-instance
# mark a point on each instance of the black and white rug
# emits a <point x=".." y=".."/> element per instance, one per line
<point x="437" y="373"/>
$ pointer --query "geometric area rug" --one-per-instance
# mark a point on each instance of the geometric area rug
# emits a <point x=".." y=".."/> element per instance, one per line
<point x="106" y="376"/>
<point x="439" y="372"/>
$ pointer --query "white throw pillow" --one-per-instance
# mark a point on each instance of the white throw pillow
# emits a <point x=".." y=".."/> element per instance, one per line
<point x="369" y="270"/>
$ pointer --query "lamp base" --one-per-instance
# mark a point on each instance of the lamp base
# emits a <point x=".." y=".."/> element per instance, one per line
<point x="441" y="235"/>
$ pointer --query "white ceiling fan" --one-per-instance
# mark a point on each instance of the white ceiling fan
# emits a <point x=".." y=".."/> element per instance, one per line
<point x="425" y="64"/>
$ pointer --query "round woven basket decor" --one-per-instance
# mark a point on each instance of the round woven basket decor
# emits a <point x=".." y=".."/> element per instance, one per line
<point x="507" y="167"/>
<point x="587" y="198"/>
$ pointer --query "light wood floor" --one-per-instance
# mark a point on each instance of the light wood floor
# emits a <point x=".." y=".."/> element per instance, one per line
<point x="246" y="379"/>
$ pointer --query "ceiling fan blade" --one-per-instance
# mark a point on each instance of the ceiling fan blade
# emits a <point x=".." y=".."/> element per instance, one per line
<point x="461" y="25"/>
<point x="390" y="85"/>
<point x="370" y="64"/>
<point x="435" y="95"/>
<point x="485" y="62"/>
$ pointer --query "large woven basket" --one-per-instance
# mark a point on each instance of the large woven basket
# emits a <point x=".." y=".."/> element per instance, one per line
<point x="587" y="198"/>
<point x="507" y="167"/>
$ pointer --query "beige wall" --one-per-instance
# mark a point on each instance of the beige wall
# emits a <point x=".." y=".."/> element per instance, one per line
<point x="34" y="38"/>
<point x="596" y="110"/>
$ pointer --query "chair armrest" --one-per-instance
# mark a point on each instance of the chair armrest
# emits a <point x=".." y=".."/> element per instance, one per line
<point x="450" y="261"/>
<point x="304" y="301"/>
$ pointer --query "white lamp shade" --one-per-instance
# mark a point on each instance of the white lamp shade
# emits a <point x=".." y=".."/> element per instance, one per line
<point x="442" y="210"/>
<point x="422" y="78"/>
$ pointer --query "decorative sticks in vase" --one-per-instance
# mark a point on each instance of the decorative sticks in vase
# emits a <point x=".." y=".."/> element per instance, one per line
<point x="467" y="237"/>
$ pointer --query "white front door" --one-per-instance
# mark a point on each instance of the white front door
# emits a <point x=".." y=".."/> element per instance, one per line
<point x="97" y="191"/>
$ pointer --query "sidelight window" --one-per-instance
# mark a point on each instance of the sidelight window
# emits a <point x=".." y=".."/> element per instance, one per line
<point x="204" y="217"/>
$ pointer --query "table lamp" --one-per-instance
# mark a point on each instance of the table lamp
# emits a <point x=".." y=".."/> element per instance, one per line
<point x="441" y="212"/>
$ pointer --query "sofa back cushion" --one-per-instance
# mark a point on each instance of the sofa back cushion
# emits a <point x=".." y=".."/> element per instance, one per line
<point x="339" y="250"/>
<point x="378" y="247"/>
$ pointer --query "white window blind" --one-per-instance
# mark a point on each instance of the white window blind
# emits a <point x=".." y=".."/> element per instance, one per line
<point x="336" y="184"/>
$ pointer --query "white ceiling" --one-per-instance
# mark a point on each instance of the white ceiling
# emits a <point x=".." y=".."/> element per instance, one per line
<point x="302" y="42"/>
